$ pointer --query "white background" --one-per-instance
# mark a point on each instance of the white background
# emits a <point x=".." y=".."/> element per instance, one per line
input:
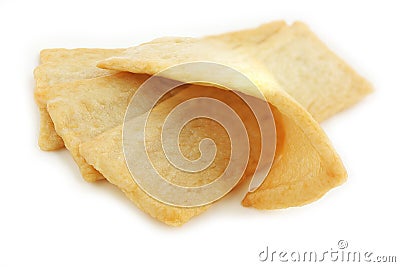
<point x="49" y="216"/>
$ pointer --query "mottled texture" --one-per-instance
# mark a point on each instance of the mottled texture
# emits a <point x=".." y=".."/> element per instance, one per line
<point x="77" y="55"/>
<point x="318" y="79"/>
<point x="61" y="66"/>
<point x="83" y="109"/>
<point x="281" y="60"/>
<point x="305" y="158"/>
<point x="300" y="173"/>
<point x="308" y="71"/>
<point x="108" y="158"/>
<point x="105" y="152"/>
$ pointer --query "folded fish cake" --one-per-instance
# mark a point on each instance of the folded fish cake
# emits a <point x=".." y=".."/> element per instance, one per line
<point x="305" y="167"/>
